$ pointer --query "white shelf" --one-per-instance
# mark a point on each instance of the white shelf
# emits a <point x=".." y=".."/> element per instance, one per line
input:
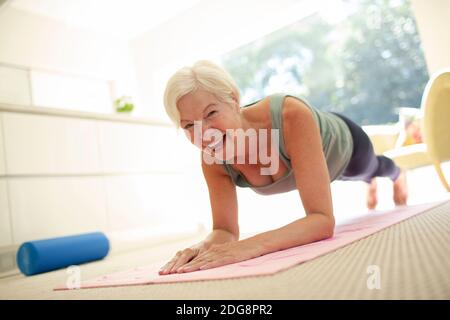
<point x="81" y="114"/>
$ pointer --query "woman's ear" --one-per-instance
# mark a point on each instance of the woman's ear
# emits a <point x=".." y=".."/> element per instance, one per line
<point x="233" y="96"/>
<point x="235" y="100"/>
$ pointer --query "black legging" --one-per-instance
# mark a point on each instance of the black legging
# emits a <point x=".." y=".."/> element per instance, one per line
<point x="364" y="164"/>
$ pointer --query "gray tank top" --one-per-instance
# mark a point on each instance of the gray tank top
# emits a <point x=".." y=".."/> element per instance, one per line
<point x="337" y="145"/>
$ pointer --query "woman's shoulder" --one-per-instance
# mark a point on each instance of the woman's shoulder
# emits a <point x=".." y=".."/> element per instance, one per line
<point x="266" y="109"/>
<point x="258" y="111"/>
<point x="272" y="101"/>
<point x="287" y="104"/>
<point x="295" y="106"/>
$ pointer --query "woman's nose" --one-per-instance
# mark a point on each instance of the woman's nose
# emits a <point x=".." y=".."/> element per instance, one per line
<point x="201" y="136"/>
<point x="212" y="136"/>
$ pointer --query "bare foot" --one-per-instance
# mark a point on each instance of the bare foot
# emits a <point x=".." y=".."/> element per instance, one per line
<point x="400" y="189"/>
<point x="372" y="199"/>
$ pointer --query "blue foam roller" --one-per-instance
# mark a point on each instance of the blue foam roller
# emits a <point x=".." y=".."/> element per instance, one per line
<point x="40" y="256"/>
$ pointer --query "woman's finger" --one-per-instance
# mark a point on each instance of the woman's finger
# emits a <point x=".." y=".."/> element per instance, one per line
<point x="195" y="264"/>
<point x="166" y="268"/>
<point x="197" y="257"/>
<point x="203" y="253"/>
<point x="183" y="259"/>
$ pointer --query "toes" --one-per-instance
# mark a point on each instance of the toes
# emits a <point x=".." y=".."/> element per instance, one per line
<point x="372" y="201"/>
<point x="401" y="189"/>
<point x="371" y="206"/>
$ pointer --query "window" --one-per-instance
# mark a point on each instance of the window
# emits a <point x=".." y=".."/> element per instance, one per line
<point x="362" y="58"/>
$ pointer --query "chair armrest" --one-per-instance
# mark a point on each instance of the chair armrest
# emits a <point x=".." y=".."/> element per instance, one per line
<point x="383" y="137"/>
<point x="410" y="157"/>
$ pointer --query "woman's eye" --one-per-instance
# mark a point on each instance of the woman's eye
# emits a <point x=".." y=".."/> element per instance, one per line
<point x="188" y="126"/>
<point x="211" y="113"/>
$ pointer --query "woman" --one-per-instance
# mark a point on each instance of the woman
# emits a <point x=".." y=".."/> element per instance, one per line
<point x="314" y="148"/>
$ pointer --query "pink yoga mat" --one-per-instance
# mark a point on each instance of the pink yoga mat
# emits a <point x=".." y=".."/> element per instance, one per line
<point x="345" y="234"/>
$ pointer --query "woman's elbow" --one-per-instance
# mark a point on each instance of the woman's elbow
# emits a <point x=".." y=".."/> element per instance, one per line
<point x="327" y="227"/>
<point x="328" y="233"/>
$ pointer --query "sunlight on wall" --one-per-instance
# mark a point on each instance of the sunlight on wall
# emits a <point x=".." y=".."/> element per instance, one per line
<point x="60" y="91"/>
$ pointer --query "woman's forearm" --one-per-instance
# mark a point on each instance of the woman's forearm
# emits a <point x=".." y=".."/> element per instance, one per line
<point x="311" y="228"/>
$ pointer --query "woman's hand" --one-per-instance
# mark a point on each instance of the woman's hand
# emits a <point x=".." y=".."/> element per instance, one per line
<point x="222" y="254"/>
<point x="182" y="257"/>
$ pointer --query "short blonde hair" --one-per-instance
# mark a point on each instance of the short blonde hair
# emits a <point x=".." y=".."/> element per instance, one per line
<point x="204" y="75"/>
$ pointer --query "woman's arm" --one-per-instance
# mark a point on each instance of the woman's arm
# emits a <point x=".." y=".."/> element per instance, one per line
<point x="304" y="147"/>
<point x="223" y="199"/>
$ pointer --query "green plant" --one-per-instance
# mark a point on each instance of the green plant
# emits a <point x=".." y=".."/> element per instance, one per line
<point x="124" y="104"/>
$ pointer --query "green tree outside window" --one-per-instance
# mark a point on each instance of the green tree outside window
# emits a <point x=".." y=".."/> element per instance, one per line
<point x="365" y="66"/>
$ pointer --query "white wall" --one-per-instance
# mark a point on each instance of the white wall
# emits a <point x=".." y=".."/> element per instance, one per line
<point x="433" y="20"/>
<point x="31" y="40"/>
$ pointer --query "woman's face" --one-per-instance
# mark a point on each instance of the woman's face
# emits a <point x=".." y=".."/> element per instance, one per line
<point x="205" y="121"/>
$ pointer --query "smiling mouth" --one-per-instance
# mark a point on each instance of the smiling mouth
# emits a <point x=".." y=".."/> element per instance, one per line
<point x="217" y="145"/>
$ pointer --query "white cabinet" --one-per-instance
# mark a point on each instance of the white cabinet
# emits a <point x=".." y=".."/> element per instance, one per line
<point x="5" y="224"/>
<point x="2" y="149"/>
<point x="38" y="144"/>
<point x="56" y="206"/>
<point x="14" y="86"/>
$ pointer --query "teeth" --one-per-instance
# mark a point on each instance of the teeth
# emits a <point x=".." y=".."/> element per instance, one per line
<point x="212" y="146"/>
<point x="215" y="144"/>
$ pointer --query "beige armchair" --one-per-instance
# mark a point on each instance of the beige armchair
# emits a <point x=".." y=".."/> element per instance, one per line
<point x="436" y="121"/>
<point x="435" y="127"/>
